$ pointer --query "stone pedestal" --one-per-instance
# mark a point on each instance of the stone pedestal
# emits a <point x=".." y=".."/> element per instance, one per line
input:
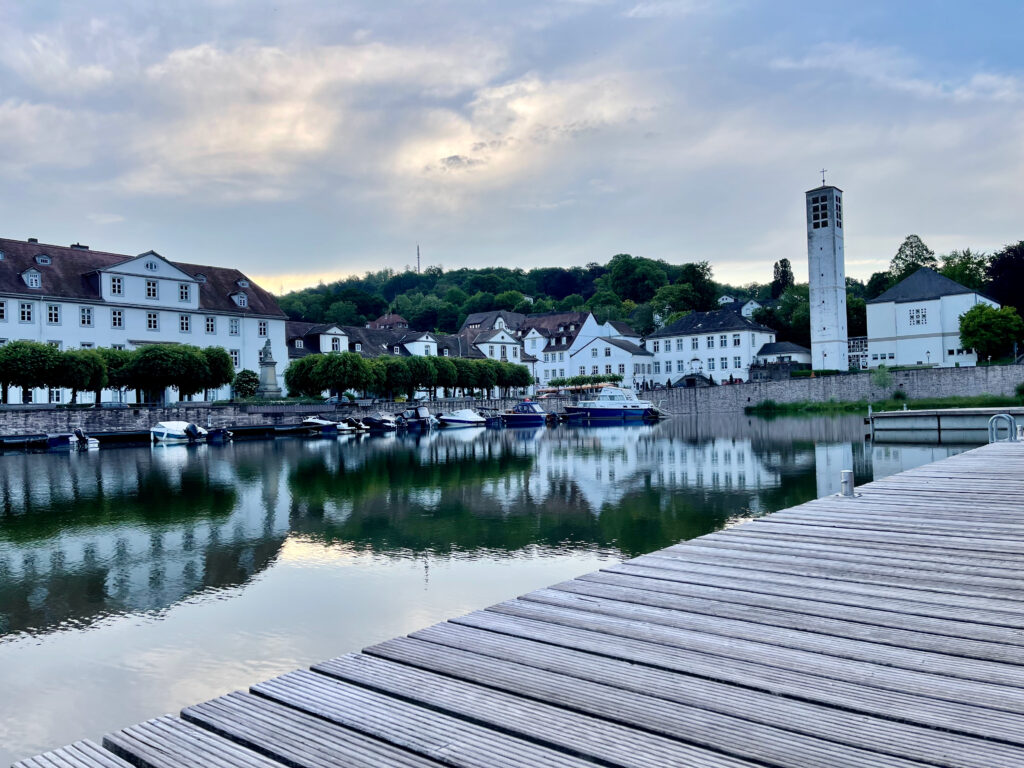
<point x="268" y="388"/>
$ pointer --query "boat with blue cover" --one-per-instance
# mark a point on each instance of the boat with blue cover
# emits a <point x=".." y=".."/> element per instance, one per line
<point x="525" y="414"/>
<point x="613" y="404"/>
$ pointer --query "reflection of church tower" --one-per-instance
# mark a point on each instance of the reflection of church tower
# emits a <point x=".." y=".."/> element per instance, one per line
<point x="827" y="277"/>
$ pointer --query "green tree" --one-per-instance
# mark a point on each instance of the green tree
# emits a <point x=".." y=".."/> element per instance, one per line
<point x="300" y="378"/>
<point x="446" y="375"/>
<point x="80" y="370"/>
<point x="338" y="372"/>
<point x="395" y="376"/>
<point x="247" y="383"/>
<point x="479" y="302"/>
<point x="782" y="277"/>
<point x="422" y="374"/>
<point x="487" y="373"/>
<point x="466" y="374"/>
<point x="507" y="300"/>
<point x="118" y="364"/>
<point x="636" y="279"/>
<point x="642" y="319"/>
<point x="220" y="371"/>
<point x="989" y="331"/>
<point x="878" y="283"/>
<point x="966" y="267"/>
<point x="571" y="303"/>
<point x="911" y="256"/>
<point x="673" y="300"/>
<point x="28" y="365"/>
<point x="881" y="377"/>
<point x="856" y="316"/>
<point x="1006" y="276"/>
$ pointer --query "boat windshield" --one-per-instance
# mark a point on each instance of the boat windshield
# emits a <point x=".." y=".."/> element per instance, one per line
<point x="528" y="408"/>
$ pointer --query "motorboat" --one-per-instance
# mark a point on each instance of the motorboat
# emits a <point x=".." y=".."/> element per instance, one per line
<point x="417" y="419"/>
<point x="355" y="424"/>
<point x="76" y="441"/>
<point x="321" y="425"/>
<point x="613" y="404"/>
<point x="177" y="432"/>
<point x="492" y="417"/>
<point x="525" y="414"/>
<point x="218" y="435"/>
<point x="381" y="422"/>
<point x="464" y="417"/>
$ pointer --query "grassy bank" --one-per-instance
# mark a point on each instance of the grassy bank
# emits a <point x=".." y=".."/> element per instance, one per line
<point x="802" y="408"/>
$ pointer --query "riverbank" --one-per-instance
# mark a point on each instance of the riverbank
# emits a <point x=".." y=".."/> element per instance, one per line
<point x="770" y="408"/>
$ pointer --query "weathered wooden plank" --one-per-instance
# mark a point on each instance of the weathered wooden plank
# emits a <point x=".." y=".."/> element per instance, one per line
<point x="294" y="737"/>
<point x="582" y="717"/>
<point x="168" y="742"/>
<point x="81" y="754"/>
<point x="728" y="718"/>
<point x="439" y="736"/>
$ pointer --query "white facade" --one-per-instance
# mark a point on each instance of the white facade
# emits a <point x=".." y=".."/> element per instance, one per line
<point x="921" y="332"/>
<point x="827" y="278"/>
<point x="719" y="354"/>
<point x="554" y="351"/>
<point x="602" y="357"/>
<point x="140" y="301"/>
<point x="784" y="356"/>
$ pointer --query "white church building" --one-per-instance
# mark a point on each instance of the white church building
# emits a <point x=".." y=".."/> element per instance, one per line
<point x="917" y="322"/>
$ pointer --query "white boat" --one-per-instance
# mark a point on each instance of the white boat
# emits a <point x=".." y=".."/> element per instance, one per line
<point x="326" y="426"/>
<point x="464" y="417"/>
<point x="176" y="432"/>
<point x="613" y="403"/>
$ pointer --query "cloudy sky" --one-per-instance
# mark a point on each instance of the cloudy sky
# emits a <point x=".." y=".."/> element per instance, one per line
<point x="301" y="140"/>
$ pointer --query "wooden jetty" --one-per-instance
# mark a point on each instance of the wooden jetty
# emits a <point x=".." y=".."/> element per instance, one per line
<point x="881" y="630"/>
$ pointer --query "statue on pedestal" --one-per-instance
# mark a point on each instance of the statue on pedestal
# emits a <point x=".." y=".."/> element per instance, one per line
<point x="268" y="388"/>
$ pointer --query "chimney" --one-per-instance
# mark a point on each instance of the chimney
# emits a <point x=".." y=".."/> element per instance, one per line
<point x="80" y="247"/>
<point x="33" y="239"/>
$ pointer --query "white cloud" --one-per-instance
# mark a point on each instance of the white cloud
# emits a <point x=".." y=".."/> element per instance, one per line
<point x="661" y="9"/>
<point x="105" y="218"/>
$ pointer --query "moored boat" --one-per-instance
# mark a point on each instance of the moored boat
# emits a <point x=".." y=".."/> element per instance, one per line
<point x="464" y="417"/>
<point x="176" y="432"/>
<point x="380" y="422"/>
<point x="525" y="414"/>
<point x="417" y="419"/>
<point x="613" y="404"/>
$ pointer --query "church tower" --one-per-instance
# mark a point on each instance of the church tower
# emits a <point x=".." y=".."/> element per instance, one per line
<point x="827" y="277"/>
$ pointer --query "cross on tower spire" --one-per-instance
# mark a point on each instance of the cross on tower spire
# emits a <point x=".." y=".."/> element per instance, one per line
<point x="823" y="176"/>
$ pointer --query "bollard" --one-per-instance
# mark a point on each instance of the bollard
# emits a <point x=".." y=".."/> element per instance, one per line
<point x="846" y="483"/>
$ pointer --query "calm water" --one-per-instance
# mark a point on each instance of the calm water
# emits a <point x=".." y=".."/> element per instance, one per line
<point x="135" y="581"/>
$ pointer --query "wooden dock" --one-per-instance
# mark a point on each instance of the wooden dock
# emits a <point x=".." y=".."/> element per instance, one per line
<point x="883" y="630"/>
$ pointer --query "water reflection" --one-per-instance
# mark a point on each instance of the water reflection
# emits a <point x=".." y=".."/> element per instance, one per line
<point x="84" y="536"/>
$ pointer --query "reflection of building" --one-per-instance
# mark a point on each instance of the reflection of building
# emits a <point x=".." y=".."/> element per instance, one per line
<point x="890" y="459"/>
<point x="94" y="536"/>
<point x="830" y="459"/>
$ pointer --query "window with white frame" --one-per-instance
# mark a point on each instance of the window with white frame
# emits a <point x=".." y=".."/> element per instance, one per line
<point x="53" y="314"/>
<point x="735" y="339"/>
<point x="85" y="317"/>
<point x="398" y="350"/>
<point x="359" y="347"/>
<point x="299" y="344"/>
<point x="593" y="351"/>
<point x="725" y="363"/>
<point x="723" y="340"/>
<point x="593" y="370"/>
<point x="607" y="351"/>
<point x="211" y="324"/>
<point x="241" y="299"/>
<point x="668" y="366"/>
<point x="657" y="366"/>
<point x="711" y="363"/>
<point x="117" y="346"/>
<point x="583" y="370"/>
<point x="657" y="346"/>
<point x="335" y="344"/>
<point x="25" y="312"/>
<point x="515" y="352"/>
<point x="32" y="280"/>
<point x="117" y="318"/>
<point x="679" y="366"/>
<point x="3" y="310"/>
<point x="234" y="326"/>
<point x="184" y="292"/>
<point x="737" y="363"/>
<point x="262" y="328"/>
<point x="87" y="345"/>
<point x="151" y="266"/>
<point x="607" y="369"/>
<point x="116" y="286"/>
<point x="55" y="395"/>
<point x="152" y="321"/>
<point x="622" y="368"/>
<point x="710" y="342"/>
<point x="694" y="343"/>
<point x="152" y="289"/>
<point x="236" y="358"/>
<point x="185" y="323"/>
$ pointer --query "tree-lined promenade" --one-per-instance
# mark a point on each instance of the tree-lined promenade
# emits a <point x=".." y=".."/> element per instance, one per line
<point x="340" y="372"/>
<point x="148" y="370"/>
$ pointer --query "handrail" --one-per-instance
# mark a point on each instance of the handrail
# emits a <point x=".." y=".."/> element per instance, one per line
<point x="993" y="428"/>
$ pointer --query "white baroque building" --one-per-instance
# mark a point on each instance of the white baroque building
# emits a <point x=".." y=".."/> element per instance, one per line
<point x="718" y="344"/>
<point x="76" y="298"/>
<point x="917" y="322"/>
<point x="826" y="273"/>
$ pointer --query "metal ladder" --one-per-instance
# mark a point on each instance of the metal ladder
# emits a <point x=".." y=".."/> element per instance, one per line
<point x="994" y="424"/>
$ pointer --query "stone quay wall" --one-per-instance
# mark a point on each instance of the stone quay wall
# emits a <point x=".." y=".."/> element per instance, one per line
<point x="917" y="383"/>
<point x="18" y="420"/>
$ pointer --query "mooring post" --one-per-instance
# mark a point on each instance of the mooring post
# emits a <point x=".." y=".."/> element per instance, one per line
<point x="846" y="482"/>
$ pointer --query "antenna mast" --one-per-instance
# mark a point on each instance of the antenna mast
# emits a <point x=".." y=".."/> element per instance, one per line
<point x="417" y="258"/>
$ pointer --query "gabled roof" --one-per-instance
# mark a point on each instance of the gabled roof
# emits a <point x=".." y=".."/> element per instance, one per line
<point x="297" y="329"/>
<point x="71" y="275"/>
<point x="782" y="348"/>
<point x="628" y="346"/>
<point x="710" y="322"/>
<point x="387" y="322"/>
<point x="624" y="328"/>
<point x="922" y="285"/>
<point x="486" y="320"/>
<point x="551" y="321"/>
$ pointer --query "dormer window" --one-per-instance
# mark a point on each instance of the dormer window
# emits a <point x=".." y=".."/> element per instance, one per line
<point x="151" y="266"/>
<point x="359" y="347"/>
<point x="32" y="279"/>
<point x="241" y="300"/>
<point x="398" y="350"/>
<point x="446" y="353"/>
<point x="43" y="259"/>
<point x="298" y="344"/>
<point x="243" y="283"/>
